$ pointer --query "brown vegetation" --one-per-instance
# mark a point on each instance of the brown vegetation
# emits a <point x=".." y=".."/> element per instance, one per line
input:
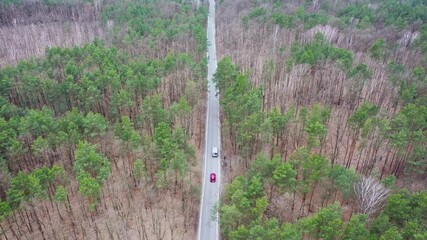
<point x="27" y="30"/>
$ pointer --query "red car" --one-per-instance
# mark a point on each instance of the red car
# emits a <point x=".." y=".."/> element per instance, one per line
<point x="213" y="177"/>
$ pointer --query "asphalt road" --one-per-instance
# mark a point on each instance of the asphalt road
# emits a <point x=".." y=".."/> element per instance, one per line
<point x="208" y="220"/>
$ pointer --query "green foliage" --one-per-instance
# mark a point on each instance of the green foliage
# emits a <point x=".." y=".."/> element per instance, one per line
<point x="255" y="13"/>
<point x="144" y="20"/>
<point x="325" y="224"/>
<point x="92" y="78"/>
<point x="408" y="129"/>
<point x="241" y="104"/>
<point x="420" y="236"/>
<point x="404" y="216"/>
<point x="139" y="170"/>
<point x="264" y="167"/>
<point x="61" y="194"/>
<point x="179" y="163"/>
<point x="394" y="68"/>
<point x="246" y="201"/>
<point x="380" y="224"/>
<point x="288" y="231"/>
<point x="283" y="20"/>
<point x="362" y="12"/>
<point x="88" y="186"/>
<point x="388" y="181"/>
<point x="153" y="112"/>
<point x="181" y="111"/>
<point x="360" y="71"/>
<point x="319" y="50"/>
<point x="279" y="119"/>
<point x="421" y="42"/>
<point x="225" y="75"/>
<point x="230" y="219"/>
<point x="23" y="188"/>
<point x="356" y="228"/>
<point x="28" y="187"/>
<point x="411" y="82"/>
<point x="284" y="176"/>
<point x="314" y="123"/>
<point x="343" y="179"/>
<point x="7" y="135"/>
<point x="410" y="229"/>
<point x="173" y="151"/>
<point x="386" y="12"/>
<point x="247" y="133"/>
<point x="70" y="128"/>
<point x="39" y="145"/>
<point x="402" y="13"/>
<point x="359" y="117"/>
<point x="315" y="19"/>
<point x="5" y="210"/>
<point x="47" y="176"/>
<point x="122" y="102"/>
<point x="38" y="123"/>
<point x="419" y="73"/>
<point x="377" y="49"/>
<point x="314" y="168"/>
<point x="164" y="142"/>
<point x="391" y="234"/>
<point x="90" y="164"/>
<point x="309" y="20"/>
<point x="10" y="2"/>
<point x="94" y="124"/>
<point x="398" y="208"/>
<point x="7" y="110"/>
<point x="5" y="82"/>
<point x="126" y="132"/>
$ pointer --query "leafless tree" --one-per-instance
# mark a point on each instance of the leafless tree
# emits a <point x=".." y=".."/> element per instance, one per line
<point x="370" y="195"/>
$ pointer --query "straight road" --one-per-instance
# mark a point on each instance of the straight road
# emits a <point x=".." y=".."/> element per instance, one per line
<point x="208" y="219"/>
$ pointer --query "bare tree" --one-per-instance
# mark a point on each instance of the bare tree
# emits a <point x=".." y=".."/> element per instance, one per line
<point x="370" y="195"/>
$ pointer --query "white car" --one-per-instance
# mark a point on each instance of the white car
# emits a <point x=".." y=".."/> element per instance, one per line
<point x="214" y="152"/>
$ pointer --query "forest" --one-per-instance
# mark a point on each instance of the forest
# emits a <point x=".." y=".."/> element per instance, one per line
<point x="99" y="140"/>
<point x="323" y="114"/>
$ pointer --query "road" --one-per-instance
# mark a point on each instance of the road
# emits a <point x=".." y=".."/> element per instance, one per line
<point x="208" y="219"/>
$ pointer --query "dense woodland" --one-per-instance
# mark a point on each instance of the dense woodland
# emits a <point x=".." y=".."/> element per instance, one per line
<point x="324" y="115"/>
<point x="100" y="141"/>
